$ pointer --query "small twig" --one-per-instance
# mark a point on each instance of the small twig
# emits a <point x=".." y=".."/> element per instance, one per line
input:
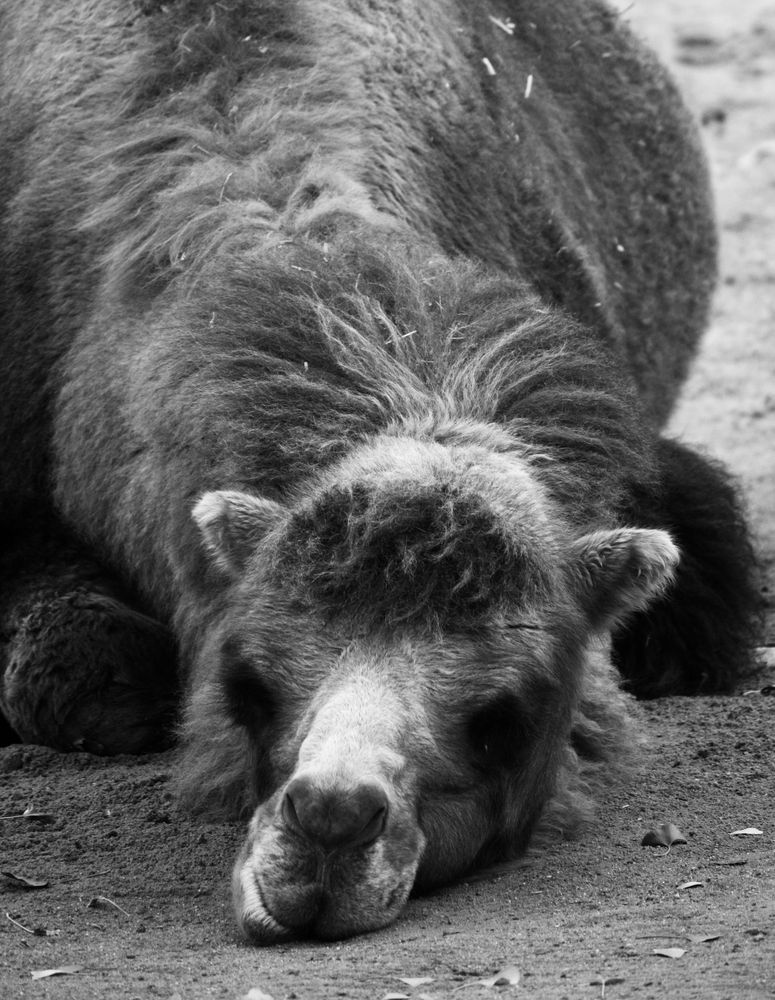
<point x="223" y="186"/>
<point x="29" y="813"/>
<point x="507" y="26"/>
<point x="28" y="929"/>
<point x="604" y="981"/>
<point x="81" y="875"/>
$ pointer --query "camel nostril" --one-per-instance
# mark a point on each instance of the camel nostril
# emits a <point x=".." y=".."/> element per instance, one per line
<point x="335" y="816"/>
<point x="290" y="816"/>
<point x="374" y="826"/>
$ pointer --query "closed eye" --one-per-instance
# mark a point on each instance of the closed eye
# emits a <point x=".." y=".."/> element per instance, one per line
<point x="249" y="701"/>
<point x="500" y="732"/>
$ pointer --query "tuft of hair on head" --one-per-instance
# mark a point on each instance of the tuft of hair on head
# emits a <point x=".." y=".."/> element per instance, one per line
<point x="428" y="553"/>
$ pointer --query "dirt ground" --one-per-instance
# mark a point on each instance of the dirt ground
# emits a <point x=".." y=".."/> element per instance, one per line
<point x="135" y="900"/>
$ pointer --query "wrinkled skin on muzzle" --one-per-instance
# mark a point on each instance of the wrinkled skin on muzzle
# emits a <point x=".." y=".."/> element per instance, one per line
<point x="399" y="774"/>
<point x="336" y="848"/>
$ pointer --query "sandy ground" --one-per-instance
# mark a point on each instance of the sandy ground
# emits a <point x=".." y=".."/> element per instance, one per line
<point x="135" y="899"/>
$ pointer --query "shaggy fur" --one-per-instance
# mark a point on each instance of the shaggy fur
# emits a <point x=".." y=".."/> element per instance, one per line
<point x="83" y="667"/>
<point x="401" y="333"/>
<point x="674" y="648"/>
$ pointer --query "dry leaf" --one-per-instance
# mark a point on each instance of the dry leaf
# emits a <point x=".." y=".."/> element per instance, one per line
<point x="102" y="902"/>
<point x="761" y="151"/>
<point x="702" y="938"/>
<point x="670" y="952"/>
<point x="66" y="970"/>
<point x="22" y="882"/>
<point x="396" y="996"/>
<point x="509" y="976"/>
<point x="38" y="817"/>
<point x="690" y="885"/>
<point x="664" y="836"/>
<point x="257" y="994"/>
<point x="420" y="981"/>
<point x="750" y="831"/>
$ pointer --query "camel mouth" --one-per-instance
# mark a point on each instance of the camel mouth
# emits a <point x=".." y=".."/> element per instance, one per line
<point x="275" y="904"/>
<point x="256" y="921"/>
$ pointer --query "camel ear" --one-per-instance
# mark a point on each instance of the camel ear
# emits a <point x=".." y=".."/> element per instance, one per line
<point x="232" y="525"/>
<point x="615" y="573"/>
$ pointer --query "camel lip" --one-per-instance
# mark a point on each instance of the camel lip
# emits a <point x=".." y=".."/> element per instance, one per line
<point x="316" y="918"/>
<point x="256" y="920"/>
